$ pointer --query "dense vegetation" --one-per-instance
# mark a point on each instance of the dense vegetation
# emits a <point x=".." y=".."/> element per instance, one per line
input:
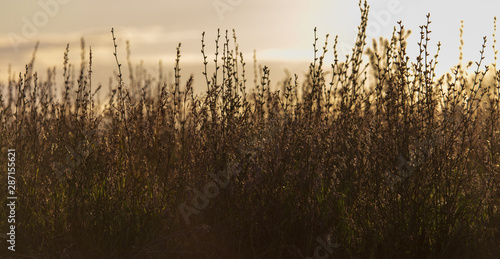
<point x="381" y="158"/>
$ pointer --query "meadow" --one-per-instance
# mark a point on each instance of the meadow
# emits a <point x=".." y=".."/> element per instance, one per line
<point x="373" y="156"/>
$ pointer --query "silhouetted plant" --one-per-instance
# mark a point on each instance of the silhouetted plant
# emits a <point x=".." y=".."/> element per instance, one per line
<point x="381" y="156"/>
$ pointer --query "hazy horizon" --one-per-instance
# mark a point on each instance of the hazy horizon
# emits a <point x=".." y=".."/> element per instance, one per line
<point x="281" y="33"/>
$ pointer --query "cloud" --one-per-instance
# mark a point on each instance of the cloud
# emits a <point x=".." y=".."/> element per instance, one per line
<point x="150" y="44"/>
<point x="286" y="54"/>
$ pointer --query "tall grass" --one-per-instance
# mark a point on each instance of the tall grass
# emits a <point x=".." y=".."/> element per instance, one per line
<point x="380" y="156"/>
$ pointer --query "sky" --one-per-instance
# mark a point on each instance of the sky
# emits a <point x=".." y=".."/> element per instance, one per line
<point x="280" y="31"/>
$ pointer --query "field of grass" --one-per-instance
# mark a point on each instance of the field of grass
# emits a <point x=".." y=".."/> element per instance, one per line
<point x="373" y="156"/>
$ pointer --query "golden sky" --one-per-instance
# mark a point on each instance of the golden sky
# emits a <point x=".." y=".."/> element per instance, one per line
<point x="280" y="31"/>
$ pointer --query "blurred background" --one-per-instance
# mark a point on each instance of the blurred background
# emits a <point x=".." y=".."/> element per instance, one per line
<point x="281" y="32"/>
